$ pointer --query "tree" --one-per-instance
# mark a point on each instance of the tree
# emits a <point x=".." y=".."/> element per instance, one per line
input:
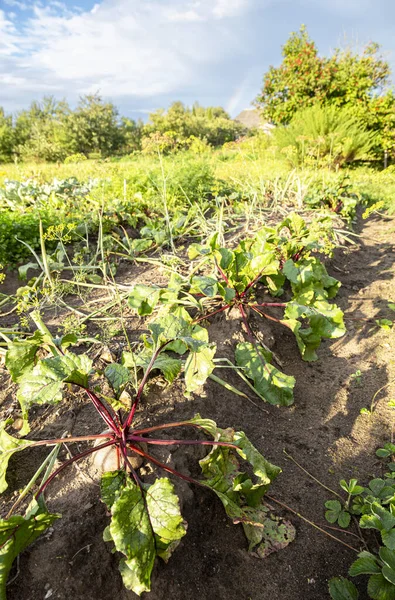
<point x="93" y="127"/>
<point x="130" y="134"/>
<point x="357" y="81"/>
<point x="40" y="132"/>
<point x="183" y="125"/>
<point x="6" y="137"/>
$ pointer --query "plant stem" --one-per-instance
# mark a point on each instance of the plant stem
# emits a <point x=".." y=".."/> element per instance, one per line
<point x="312" y="476"/>
<point x="69" y="462"/>
<point x="49" y="459"/>
<point x="377" y="393"/>
<point x="157" y="442"/>
<point x="279" y="304"/>
<point x="79" y="438"/>
<point x="130" y="416"/>
<point x="163" y="466"/>
<point x="103" y="411"/>
<point x="204" y="317"/>
<point x="166" y="426"/>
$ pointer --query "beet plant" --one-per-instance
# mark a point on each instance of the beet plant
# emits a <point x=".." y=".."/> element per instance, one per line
<point x="145" y="520"/>
<point x="278" y="261"/>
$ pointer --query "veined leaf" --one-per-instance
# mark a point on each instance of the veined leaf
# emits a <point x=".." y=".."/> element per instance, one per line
<point x="380" y="589"/>
<point x="366" y="564"/>
<point x="341" y="588"/>
<point x="20" y="355"/>
<point x="205" y="285"/>
<point x="240" y="494"/>
<point x="16" y="533"/>
<point x="388" y="558"/>
<point x="166" y="520"/>
<point x="8" y="446"/>
<point x="198" y="366"/>
<point x="271" y="384"/>
<point x="170" y="367"/>
<point x="132" y="535"/>
<point x="43" y="384"/>
<point x="145" y="523"/>
<point x="118" y="376"/>
<point x="144" y="298"/>
<point x="325" y="320"/>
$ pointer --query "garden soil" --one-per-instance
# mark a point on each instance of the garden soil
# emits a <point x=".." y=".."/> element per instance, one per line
<point x="323" y="431"/>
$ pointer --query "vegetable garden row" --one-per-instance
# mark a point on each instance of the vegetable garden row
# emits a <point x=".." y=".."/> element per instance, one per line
<point x="251" y="262"/>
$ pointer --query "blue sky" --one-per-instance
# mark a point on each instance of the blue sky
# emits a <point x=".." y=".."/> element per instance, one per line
<point x="142" y="54"/>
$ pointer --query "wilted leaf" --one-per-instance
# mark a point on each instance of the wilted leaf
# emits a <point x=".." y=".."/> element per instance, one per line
<point x="8" y="446"/>
<point x="16" y="533"/>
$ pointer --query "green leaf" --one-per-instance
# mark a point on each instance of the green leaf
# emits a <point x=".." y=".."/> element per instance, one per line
<point x="377" y="485"/>
<point x="366" y="564"/>
<point x="351" y="487"/>
<point x="20" y="356"/>
<point x="111" y="484"/>
<point x="325" y="320"/>
<point x="43" y="384"/>
<point x="271" y="384"/>
<point x="132" y="535"/>
<point x="388" y="538"/>
<point x="335" y="508"/>
<point x="16" y="533"/>
<point x="198" y="366"/>
<point x="344" y="519"/>
<point x="387" y="519"/>
<point x="118" y="376"/>
<point x="8" y="446"/>
<point x="144" y="298"/>
<point x="241" y="494"/>
<point x="341" y="588"/>
<point x="166" y="520"/>
<point x="388" y="570"/>
<point x="380" y="589"/>
<point x="262" y="468"/>
<point x="204" y="285"/>
<point x="145" y="522"/>
<point x="206" y="424"/>
<point x="170" y="367"/>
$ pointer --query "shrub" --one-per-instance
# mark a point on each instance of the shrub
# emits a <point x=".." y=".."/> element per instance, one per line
<point x="324" y="135"/>
<point x="75" y="158"/>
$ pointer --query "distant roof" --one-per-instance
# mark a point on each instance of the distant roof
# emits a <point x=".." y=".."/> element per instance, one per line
<point x="251" y="117"/>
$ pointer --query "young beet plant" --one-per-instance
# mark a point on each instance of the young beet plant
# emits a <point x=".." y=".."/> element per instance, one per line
<point x="145" y="518"/>
<point x="276" y="258"/>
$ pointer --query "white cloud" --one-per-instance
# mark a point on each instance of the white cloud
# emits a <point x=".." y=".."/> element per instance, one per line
<point x="229" y="8"/>
<point x="136" y="48"/>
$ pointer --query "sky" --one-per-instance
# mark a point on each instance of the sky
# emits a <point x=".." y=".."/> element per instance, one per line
<point x="144" y="54"/>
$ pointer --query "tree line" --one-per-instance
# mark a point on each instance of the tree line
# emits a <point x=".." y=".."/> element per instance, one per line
<point x="51" y="131"/>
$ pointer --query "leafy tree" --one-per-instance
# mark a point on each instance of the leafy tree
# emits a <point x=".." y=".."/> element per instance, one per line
<point x="93" y="127"/>
<point x="356" y="81"/>
<point x="40" y="133"/>
<point x="130" y="133"/>
<point x="183" y="124"/>
<point x="6" y="137"/>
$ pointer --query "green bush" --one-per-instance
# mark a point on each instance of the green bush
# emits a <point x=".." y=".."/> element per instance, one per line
<point x="75" y="158"/>
<point x="324" y="135"/>
<point x="24" y="227"/>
